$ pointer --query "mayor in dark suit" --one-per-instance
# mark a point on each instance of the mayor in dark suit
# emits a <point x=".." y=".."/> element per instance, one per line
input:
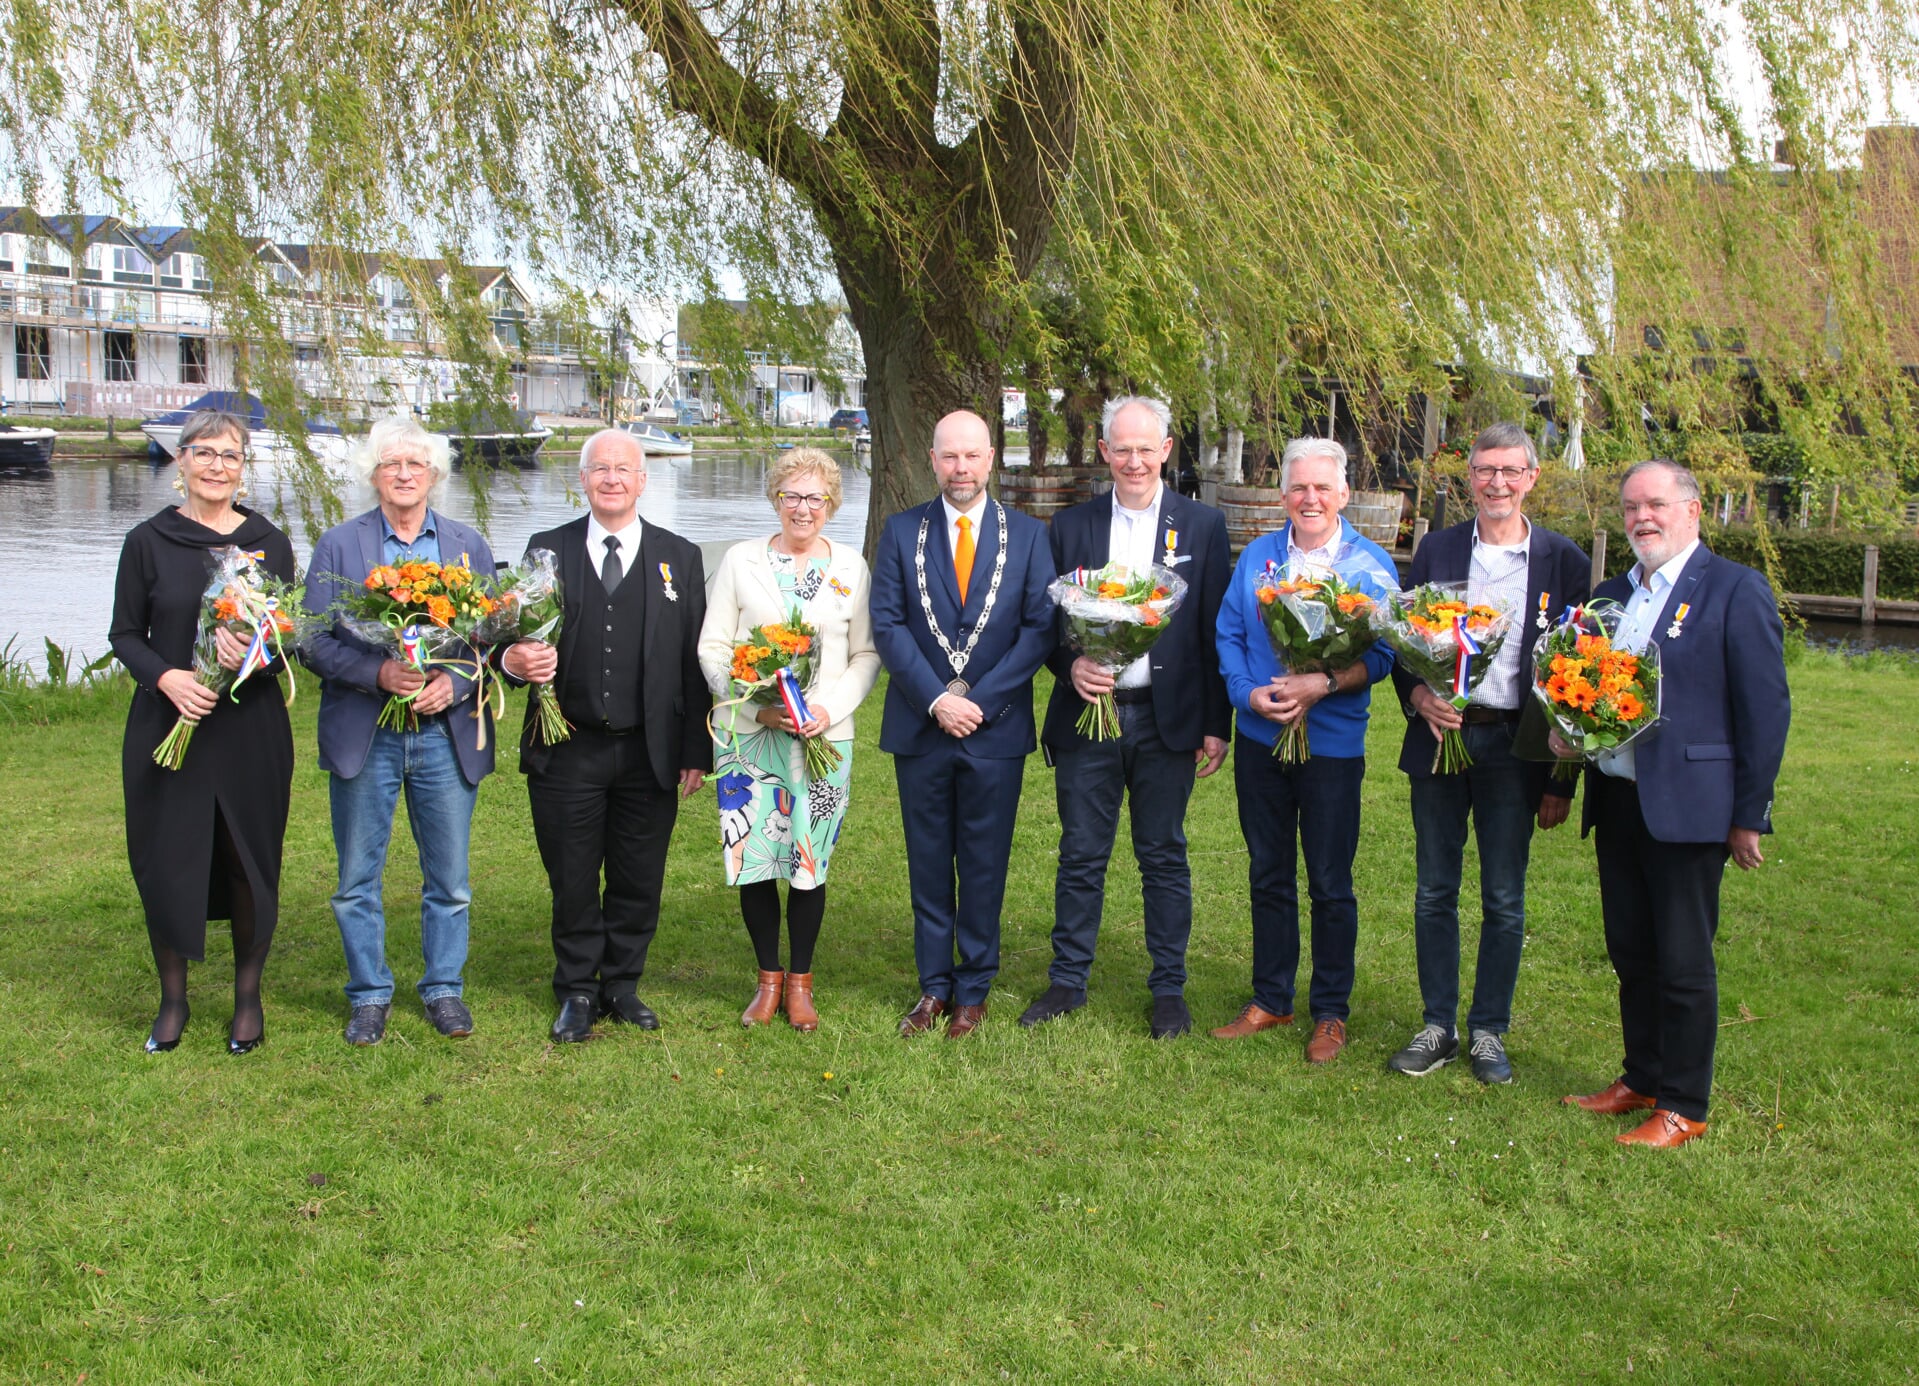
<point x="962" y="622"/>
<point x="627" y="672"/>
<point x="1532" y="574"/>
<point x="1669" y="810"/>
<point x="1174" y="717"/>
<point x="439" y="762"/>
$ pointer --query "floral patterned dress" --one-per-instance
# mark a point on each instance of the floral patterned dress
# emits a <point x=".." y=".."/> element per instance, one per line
<point x="775" y="824"/>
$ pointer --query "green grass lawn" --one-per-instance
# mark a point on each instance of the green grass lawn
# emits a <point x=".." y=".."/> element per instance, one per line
<point x="1074" y="1204"/>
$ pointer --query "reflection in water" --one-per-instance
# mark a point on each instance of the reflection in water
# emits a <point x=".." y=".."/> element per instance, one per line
<point x="61" y="526"/>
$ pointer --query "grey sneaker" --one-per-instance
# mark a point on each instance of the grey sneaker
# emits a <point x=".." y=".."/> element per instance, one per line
<point x="1489" y="1058"/>
<point x="367" y="1024"/>
<point x="1427" y="1052"/>
<point x="450" y="1016"/>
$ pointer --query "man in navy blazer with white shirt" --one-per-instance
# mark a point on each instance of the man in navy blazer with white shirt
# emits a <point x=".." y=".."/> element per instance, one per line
<point x="1506" y="561"/>
<point x="1671" y="808"/>
<point x="439" y="762"/>
<point x="962" y="623"/>
<point x="1174" y="717"/>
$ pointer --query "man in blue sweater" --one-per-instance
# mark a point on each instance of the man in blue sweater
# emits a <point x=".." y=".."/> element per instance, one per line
<point x="1315" y="802"/>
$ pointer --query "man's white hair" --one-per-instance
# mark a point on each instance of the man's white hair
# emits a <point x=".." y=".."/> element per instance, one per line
<point x="592" y="445"/>
<point x="403" y="431"/>
<point x="1161" y="411"/>
<point x="1312" y="447"/>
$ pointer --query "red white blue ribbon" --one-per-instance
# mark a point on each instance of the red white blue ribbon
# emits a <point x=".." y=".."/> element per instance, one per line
<point x="412" y="648"/>
<point x="258" y="656"/>
<point x="794" y="701"/>
<point x="1468" y="647"/>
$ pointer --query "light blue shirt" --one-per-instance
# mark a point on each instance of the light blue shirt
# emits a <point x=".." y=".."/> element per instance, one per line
<point x="1643" y="611"/>
<point x="425" y="546"/>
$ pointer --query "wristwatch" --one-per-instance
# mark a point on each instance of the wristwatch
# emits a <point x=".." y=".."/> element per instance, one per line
<point x="1332" y="684"/>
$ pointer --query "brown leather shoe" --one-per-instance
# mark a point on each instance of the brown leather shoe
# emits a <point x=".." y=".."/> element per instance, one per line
<point x="965" y="1020"/>
<point x="1329" y="1037"/>
<point x="766" y="1000"/>
<point x="1251" y="1021"/>
<point x="1663" y="1129"/>
<point x="922" y="1017"/>
<point x="799" y="1002"/>
<point x="1612" y="1102"/>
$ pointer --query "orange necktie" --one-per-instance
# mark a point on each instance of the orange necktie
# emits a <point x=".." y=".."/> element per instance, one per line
<point x="963" y="556"/>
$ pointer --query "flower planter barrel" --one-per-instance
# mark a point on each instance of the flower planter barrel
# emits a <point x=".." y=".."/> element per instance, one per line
<point x="1045" y="492"/>
<point x="1250" y="512"/>
<point x="1375" y="514"/>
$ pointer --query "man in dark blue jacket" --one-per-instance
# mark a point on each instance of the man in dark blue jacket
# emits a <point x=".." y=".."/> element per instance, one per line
<point x="1532" y="574"/>
<point x="1672" y="807"/>
<point x="1174" y="717"/>
<point x="962" y="622"/>
<point x="439" y="760"/>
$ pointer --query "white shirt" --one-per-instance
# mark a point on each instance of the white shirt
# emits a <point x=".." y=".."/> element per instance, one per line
<point x="1643" y="612"/>
<point x="1321" y="557"/>
<point x="1497" y="578"/>
<point x="1131" y="541"/>
<point x="975" y="513"/>
<point x="596" y="536"/>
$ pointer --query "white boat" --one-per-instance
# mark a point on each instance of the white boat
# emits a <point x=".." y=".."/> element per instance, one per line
<point x="328" y="443"/>
<point x="656" y="440"/>
<point x="23" y="445"/>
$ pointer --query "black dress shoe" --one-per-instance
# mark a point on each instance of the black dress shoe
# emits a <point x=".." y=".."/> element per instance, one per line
<point x="154" y="1046"/>
<point x="1171" y="1019"/>
<point x="575" y="1021"/>
<point x="1055" y="1002"/>
<point x="367" y="1024"/>
<point x="238" y="1047"/>
<point x="630" y="1010"/>
<point x="450" y="1016"/>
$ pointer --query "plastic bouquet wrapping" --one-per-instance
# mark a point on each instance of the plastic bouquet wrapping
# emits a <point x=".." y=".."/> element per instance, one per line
<point x="427" y="616"/>
<point x="1318" y="623"/>
<point x="1450" y="644"/>
<point x="772" y="667"/>
<point x="1114" y="615"/>
<point x="1600" y="698"/>
<point x="527" y="606"/>
<point x="244" y="598"/>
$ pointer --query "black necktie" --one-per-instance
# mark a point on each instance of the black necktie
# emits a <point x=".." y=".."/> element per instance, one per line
<point x="610" y="571"/>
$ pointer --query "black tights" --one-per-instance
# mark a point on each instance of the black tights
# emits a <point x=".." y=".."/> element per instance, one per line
<point x="805" y="909"/>
<point x="249" y="953"/>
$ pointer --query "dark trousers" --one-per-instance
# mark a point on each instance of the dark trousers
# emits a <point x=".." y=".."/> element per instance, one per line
<point x="1661" y="904"/>
<point x="1090" y="779"/>
<point x="1492" y="793"/>
<point x="598" y="807"/>
<point x="1316" y="806"/>
<point x="958" y="812"/>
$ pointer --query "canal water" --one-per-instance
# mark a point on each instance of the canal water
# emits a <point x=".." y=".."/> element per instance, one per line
<point x="61" y="527"/>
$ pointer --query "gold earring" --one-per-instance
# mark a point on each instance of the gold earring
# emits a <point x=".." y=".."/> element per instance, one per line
<point x="179" y="486"/>
<point x="242" y="489"/>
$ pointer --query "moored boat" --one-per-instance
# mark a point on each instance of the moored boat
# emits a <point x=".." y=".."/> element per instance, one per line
<point x="266" y="445"/>
<point x="25" y="446"/>
<point x="656" y="440"/>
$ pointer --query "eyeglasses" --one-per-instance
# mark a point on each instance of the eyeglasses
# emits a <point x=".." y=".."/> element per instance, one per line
<point x="210" y="457"/>
<point x="1509" y="475"/>
<point x="402" y="466"/>
<point x="1151" y="454"/>
<point x="600" y="472"/>
<point x="793" y="500"/>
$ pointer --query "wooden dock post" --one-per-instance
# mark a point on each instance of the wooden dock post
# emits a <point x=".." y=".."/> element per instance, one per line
<point x="1869" y="603"/>
<point x="1599" y="557"/>
<point x="1420" y="527"/>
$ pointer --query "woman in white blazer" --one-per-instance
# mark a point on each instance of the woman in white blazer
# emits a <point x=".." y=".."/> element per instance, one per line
<point x="775" y="823"/>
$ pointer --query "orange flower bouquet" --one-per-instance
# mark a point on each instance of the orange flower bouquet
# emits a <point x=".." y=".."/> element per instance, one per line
<point x="772" y="667"/>
<point x="1599" y="697"/>
<point x="428" y="615"/>
<point x="244" y="598"/>
<point x="1318" y="623"/>
<point x="1113" y="616"/>
<point x="1449" y="643"/>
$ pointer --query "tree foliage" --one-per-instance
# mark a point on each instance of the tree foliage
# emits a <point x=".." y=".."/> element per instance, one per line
<point x="1243" y="194"/>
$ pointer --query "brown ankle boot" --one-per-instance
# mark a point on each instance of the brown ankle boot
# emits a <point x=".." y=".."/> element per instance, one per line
<point x="799" y="1002"/>
<point x="766" y="1000"/>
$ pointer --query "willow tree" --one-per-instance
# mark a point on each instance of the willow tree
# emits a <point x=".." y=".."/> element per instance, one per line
<point x="1249" y="189"/>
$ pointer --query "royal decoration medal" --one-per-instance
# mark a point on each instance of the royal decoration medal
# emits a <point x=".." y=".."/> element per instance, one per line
<point x="1544" y="597"/>
<point x="666" y="578"/>
<point x="1678" y="620"/>
<point x="1172" y="542"/>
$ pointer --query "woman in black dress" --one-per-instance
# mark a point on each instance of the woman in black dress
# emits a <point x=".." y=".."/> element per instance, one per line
<point x="204" y="840"/>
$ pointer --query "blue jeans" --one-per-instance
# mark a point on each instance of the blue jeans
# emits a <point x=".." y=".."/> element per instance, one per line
<point x="439" y="807"/>
<point x="1493" y="793"/>
<point x="1090" y="780"/>
<point x="1316" y="806"/>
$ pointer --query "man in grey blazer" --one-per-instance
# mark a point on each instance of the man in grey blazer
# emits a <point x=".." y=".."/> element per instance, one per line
<point x="439" y="763"/>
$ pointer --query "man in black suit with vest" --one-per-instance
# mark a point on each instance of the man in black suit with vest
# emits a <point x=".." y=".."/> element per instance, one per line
<point x="629" y="681"/>
<point x="1530" y="572"/>
<point x="1174" y="717"/>
<point x="1671" y="808"/>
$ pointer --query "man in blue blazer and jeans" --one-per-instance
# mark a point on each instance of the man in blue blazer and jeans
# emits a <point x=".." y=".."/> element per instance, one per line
<point x="439" y="762"/>
<point x="1174" y="717"/>
<point x="962" y="622"/>
<point x="1310" y="809"/>
<point x="1532" y="574"/>
<point x="1670" y="809"/>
